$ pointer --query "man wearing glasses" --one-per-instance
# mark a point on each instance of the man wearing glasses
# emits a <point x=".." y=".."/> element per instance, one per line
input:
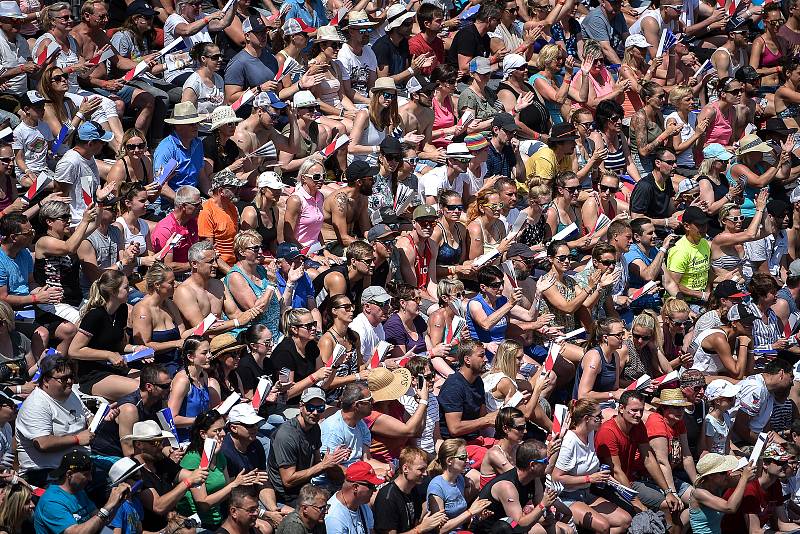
<point x="309" y="514"/>
<point x="51" y="421"/>
<point x="243" y="508"/>
<point x="349" y="511"/>
<point x="295" y="456"/>
<point x="369" y="323"/>
<point x="181" y="220"/>
<point x="387" y="259"/>
<point x="652" y="196"/>
<point x="346" y="279"/>
<point x="451" y="177"/>
<point x="418" y="252"/>
<point x="269" y="116"/>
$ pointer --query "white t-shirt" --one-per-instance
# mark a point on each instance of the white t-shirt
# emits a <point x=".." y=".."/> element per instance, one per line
<point x="357" y="68"/>
<point x="426" y="441"/>
<point x="33" y="142"/>
<point x="82" y="174"/>
<point x="685" y="158"/>
<point x="208" y="98"/>
<point x="370" y="335"/>
<point x="755" y="400"/>
<point x="435" y="180"/>
<point x="576" y="457"/>
<point x="13" y="55"/>
<point x="169" y="35"/>
<point x="42" y="415"/>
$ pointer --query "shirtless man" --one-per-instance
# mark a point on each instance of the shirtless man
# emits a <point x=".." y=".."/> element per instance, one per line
<point x="418" y="253"/>
<point x="417" y="118"/>
<point x="90" y="34"/>
<point x="202" y="294"/>
<point x="349" y="279"/>
<point x="253" y="132"/>
<point x="346" y="217"/>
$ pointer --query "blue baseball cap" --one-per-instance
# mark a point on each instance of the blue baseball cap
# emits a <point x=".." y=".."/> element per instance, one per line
<point x="716" y="151"/>
<point x="92" y="131"/>
<point x="268" y="98"/>
<point x="288" y="251"/>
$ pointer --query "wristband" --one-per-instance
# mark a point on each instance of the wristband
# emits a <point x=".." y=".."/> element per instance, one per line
<point x="610" y="395"/>
<point x="120" y="265"/>
<point x="662" y="250"/>
<point x="103" y="514"/>
<point x="187" y="483"/>
<point x="587" y="479"/>
<point x="18" y="389"/>
<point x="80" y="115"/>
<point x="77" y="441"/>
<point x="34" y="298"/>
<point x="543" y="507"/>
<point x="423" y="402"/>
<point x="236" y="323"/>
<point x="358" y="376"/>
<point x="411" y="71"/>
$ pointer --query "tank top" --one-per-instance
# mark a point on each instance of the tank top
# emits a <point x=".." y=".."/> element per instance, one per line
<point x="488" y="247"/>
<point x="269" y="317"/>
<point x="535" y="116"/>
<point x="637" y="364"/>
<point x="498" y="331"/>
<point x="490" y="382"/>
<point x="443" y="117"/>
<point x="685" y="158"/>
<point x="309" y="224"/>
<point x="64" y="59"/>
<point x="525" y="492"/>
<point x="600" y="211"/>
<point x="329" y="92"/>
<point x="421" y="263"/>
<point x="554" y="108"/>
<point x="268" y="235"/>
<point x="632" y="102"/>
<point x="131" y="177"/>
<point x="60" y="271"/>
<point x="721" y="129"/>
<point x="197" y="401"/>
<point x="449" y="255"/>
<point x="129" y="237"/>
<point x="615" y="159"/>
<point x="653" y="131"/>
<point x="706" y="361"/>
<point x="605" y="379"/>
<point x="768" y="57"/>
<point x="601" y="88"/>
<point x="372" y="136"/>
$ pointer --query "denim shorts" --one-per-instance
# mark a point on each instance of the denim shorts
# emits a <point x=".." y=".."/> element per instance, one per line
<point x="580" y="495"/>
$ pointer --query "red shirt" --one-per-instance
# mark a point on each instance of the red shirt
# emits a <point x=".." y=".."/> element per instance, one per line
<point x="386" y="448"/>
<point x="610" y="441"/>
<point x="657" y="427"/>
<point x="417" y="46"/>
<point x="757" y="501"/>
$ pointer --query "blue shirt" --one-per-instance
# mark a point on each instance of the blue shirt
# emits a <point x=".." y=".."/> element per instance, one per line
<point x="498" y="331"/>
<point x="452" y="495"/>
<point x="58" y="510"/>
<point x="303" y="290"/>
<point x="247" y="71"/>
<point x="500" y="162"/>
<point x="15" y="272"/>
<point x="129" y="516"/>
<point x="316" y="19"/>
<point x="190" y="161"/>
<point x="458" y="395"/>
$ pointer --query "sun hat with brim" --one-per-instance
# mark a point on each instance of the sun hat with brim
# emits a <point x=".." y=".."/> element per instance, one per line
<point x="148" y="431"/>
<point x="384" y="84"/>
<point x="752" y="143"/>
<point x="359" y="19"/>
<point x="712" y="463"/>
<point x="671" y="397"/>
<point x="224" y="343"/>
<point x="328" y="33"/>
<point x="223" y="115"/>
<point x="185" y="113"/>
<point x="396" y="15"/>
<point x="11" y="10"/>
<point x="388" y="385"/>
<point x="686" y="185"/>
<point x="458" y="151"/>
<point x="122" y="469"/>
<point x="716" y="151"/>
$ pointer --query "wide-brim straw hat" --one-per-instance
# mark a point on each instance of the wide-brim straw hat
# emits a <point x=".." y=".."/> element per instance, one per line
<point x="185" y="113"/>
<point x="752" y="143"/>
<point x="328" y="33"/>
<point x="223" y="115"/>
<point x="388" y="385"/>
<point x="712" y="463"/>
<point x="671" y="397"/>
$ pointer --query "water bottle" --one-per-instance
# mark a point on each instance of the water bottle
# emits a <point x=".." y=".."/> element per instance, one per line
<point x="603" y="467"/>
<point x="283" y="378"/>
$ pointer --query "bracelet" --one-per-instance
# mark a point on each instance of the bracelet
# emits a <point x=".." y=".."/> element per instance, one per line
<point x="120" y="265"/>
<point x="299" y="87"/>
<point x="236" y="323"/>
<point x="341" y="113"/>
<point x="610" y="395"/>
<point x="587" y="479"/>
<point x="451" y="270"/>
<point x="662" y="250"/>
<point x="18" y="389"/>
<point x="423" y="402"/>
<point x="187" y="483"/>
<point x="34" y="299"/>
<point x="358" y="376"/>
<point x="80" y="115"/>
<point x="103" y="514"/>
<point x="76" y="439"/>
<point x="543" y="507"/>
<point x="411" y="71"/>
<point x="205" y="20"/>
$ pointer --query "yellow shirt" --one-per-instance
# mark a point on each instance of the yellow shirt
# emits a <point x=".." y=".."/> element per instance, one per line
<point x="692" y="261"/>
<point x="543" y="164"/>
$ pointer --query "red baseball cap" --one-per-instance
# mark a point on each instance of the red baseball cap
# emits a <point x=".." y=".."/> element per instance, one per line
<point x="362" y="472"/>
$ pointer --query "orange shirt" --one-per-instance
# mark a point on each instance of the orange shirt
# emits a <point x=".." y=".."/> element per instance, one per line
<point x="221" y="225"/>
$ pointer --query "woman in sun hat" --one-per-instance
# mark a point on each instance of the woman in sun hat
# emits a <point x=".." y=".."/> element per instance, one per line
<point x="333" y="101"/>
<point x="219" y="148"/>
<point x="315" y="132"/>
<point x="374" y="124"/>
<point x="714" y="477"/>
<point x="715" y="189"/>
<point x="750" y="166"/>
<point x="390" y="431"/>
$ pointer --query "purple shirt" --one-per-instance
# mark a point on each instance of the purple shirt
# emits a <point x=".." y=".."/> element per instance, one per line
<point x="396" y="333"/>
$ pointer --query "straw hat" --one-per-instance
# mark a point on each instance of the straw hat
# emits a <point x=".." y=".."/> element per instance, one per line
<point x="223" y="115"/>
<point x="224" y="343"/>
<point x="185" y="113"/>
<point x="671" y="397"/>
<point x="384" y="84"/>
<point x="712" y="463"/>
<point x="359" y="19"/>
<point x="752" y="143"/>
<point x="388" y="385"/>
<point x="328" y="33"/>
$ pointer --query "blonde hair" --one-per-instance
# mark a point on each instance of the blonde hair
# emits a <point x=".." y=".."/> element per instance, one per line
<point x="12" y="513"/>
<point x="447" y="450"/>
<point x="649" y="320"/>
<point x="289" y="318"/>
<point x="474" y="210"/>
<point x="673" y="305"/>
<point x="580" y="408"/>
<point x="102" y="289"/>
<point x="705" y="166"/>
<point x="88" y="7"/>
<point x="547" y="54"/>
<point x="46" y="17"/>
<point x="244" y="239"/>
<point x="129" y="134"/>
<point x="449" y="286"/>
<point x="156" y="274"/>
<point x="591" y="46"/>
<point x="726" y="210"/>
<point x="7" y="316"/>
<point x="505" y="360"/>
<point x="678" y="93"/>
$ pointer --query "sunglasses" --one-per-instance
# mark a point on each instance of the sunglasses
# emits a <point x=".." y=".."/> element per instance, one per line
<point x="317" y="177"/>
<point x="562" y="258"/>
<point x="571" y="190"/>
<point x="608" y="263"/>
<point x="513" y="10"/>
<point x="608" y="188"/>
<point x="388" y="95"/>
<point x="520" y="428"/>
<point x="314" y="408"/>
<point x="733" y="91"/>
<point x="643" y="338"/>
<point x="427" y="224"/>
<point x="685" y="324"/>
<point x="347" y="307"/>
<point x="542" y="461"/>
<point x="669" y="161"/>
<point x="615" y="118"/>
<point x="393" y="157"/>
<point x="454" y="207"/>
<point x="495" y="285"/>
<point x="58" y="77"/>
<point x="495" y="206"/>
<point x="308" y="326"/>
<point x="588" y="125"/>
<point x="7" y="160"/>
<point x="136" y="146"/>
<point x="334" y="45"/>
<point x="64" y="379"/>
<point x="365" y="31"/>
<point x="163" y="387"/>
<point x="738" y="218"/>
<point x="65" y="18"/>
<point x="254" y="248"/>
<point x="215" y="57"/>
<point x="462" y="457"/>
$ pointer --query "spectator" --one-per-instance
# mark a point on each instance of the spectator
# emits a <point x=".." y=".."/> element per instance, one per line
<point x="716" y="474"/>
<point x="606" y="25"/>
<point x="303" y="217"/>
<point x="369" y="323"/>
<point x="598" y="374"/>
<point x="652" y="196"/>
<point x="256" y="361"/>
<point x="32" y="137"/>
<point x="430" y="19"/>
<point x="756" y="399"/>
<point x="243" y="511"/>
<point x="688" y="260"/>
<point x="291" y="261"/>
<point x="339" y="336"/>
<point x="309" y="517"/>
<point x="218" y="221"/>
<point x="254" y="65"/>
<point x="392" y="50"/>
<point x="262" y="214"/>
<point x="359" y="64"/>
<point x="715" y="436"/>
<point x="243" y="452"/>
<point x="183" y="221"/>
<point x="345" y="214"/>
<point x="770" y="253"/>
<point x="446" y="491"/>
<point x="42" y="436"/>
<point x="190" y="394"/>
<point x="394" y="498"/>
<point x="347" y="429"/>
<point x="360" y="484"/>
<point x="65" y="504"/>
<point x="474" y="41"/>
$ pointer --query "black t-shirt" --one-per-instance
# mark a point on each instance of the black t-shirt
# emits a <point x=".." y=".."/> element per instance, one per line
<point x="162" y="480"/>
<point x="396" y="57"/>
<point x="291" y="445"/>
<point x="107" y="439"/>
<point x="524" y="491"/>
<point x="285" y="355"/>
<point x="649" y="200"/>
<point x="249" y="371"/>
<point x="458" y="395"/>
<point x="396" y="510"/>
<point x="107" y="332"/>
<point x="220" y="158"/>
<point x="253" y="458"/>
<point x="468" y="42"/>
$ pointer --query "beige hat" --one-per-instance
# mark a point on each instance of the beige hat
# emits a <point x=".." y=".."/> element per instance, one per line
<point x="185" y="113"/>
<point x="752" y="143"/>
<point x="671" y="397"/>
<point x="223" y="115"/>
<point x="328" y="33"/>
<point x="224" y="343"/>
<point x="148" y="431"/>
<point x="384" y="84"/>
<point x="359" y="19"/>
<point x="388" y="385"/>
<point x="712" y="463"/>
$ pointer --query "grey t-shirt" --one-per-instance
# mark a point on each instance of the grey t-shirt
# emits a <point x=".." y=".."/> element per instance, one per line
<point x="106" y="248"/>
<point x="292" y="524"/>
<point x="82" y="175"/>
<point x="597" y="26"/>
<point x="291" y="445"/>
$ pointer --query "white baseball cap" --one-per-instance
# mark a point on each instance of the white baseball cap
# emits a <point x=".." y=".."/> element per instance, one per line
<point x="721" y="388"/>
<point x="637" y="40"/>
<point x="270" y="179"/>
<point x="244" y="414"/>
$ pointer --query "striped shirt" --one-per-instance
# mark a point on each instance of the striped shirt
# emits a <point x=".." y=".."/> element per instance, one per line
<point x="766" y="333"/>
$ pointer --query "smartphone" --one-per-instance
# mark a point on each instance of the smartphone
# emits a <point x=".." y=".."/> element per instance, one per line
<point x="420" y="382"/>
<point x="283" y="376"/>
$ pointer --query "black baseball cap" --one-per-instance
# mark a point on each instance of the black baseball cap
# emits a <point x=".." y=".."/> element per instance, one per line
<point x="694" y="215"/>
<point x="140" y="7"/>
<point x="518" y="249"/>
<point x="32" y="98"/>
<point x="391" y="146"/>
<point x="74" y="460"/>
<point x="778" y="208"/>
<point x="360" y="169"/>
<point x="505" y="121"/>
<point x="727" y="289"/>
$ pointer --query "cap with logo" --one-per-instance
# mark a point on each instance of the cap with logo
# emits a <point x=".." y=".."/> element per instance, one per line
<point x="244" y="414"/>
<point x="268" y="99"/>
<point x="32" y="98"/>
<point x="686" y="185"/>
<point x="721" y="388"/>
<point x="270" y="179"/>
<point x="742" y="313"/>
<point x="253" y="24"/>
<point x="362" y="472"/>
<point x="728" y="289"/>
<point x="140" y="7"/>
<point x="425" y="211"/>
<point x="288" y="251"/>
<point x="481" y="65"/>
<point x="311" y="394"/>
<point x="295" y="26"/>
<point x="417" y="84"/>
